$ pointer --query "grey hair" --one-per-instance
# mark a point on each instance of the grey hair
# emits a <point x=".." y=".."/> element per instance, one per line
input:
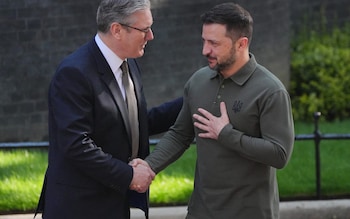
<point x="110" y="11"/>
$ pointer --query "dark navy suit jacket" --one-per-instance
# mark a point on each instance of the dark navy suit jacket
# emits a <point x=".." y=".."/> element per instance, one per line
<point x="88" y="175"/>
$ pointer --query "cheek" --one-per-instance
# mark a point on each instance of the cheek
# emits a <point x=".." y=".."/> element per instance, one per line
<point x="218" y="53"/>
<point x="138" y="43"/>
<point x="224" y="52"/>
<point x="133" y="45"/>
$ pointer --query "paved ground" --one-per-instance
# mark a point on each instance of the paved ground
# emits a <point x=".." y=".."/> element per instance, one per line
<point x="329" y="209"/>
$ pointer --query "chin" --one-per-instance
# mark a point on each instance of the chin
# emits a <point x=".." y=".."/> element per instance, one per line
<point x="212" y="66"/>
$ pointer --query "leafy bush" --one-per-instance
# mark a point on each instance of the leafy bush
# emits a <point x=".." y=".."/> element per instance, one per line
<point x="320" y="74"/>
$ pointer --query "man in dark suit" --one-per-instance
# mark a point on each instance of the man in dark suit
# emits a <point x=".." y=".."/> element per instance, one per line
<point x="88" y="175"/>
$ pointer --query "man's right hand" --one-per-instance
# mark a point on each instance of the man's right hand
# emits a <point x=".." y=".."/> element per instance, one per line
<point x="143" y="175"/>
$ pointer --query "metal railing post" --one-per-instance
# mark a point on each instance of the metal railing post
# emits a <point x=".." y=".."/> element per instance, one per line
<point x="317" y="140"/>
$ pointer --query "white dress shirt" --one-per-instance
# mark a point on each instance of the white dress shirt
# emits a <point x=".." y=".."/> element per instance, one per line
<point x="114" y="62"/>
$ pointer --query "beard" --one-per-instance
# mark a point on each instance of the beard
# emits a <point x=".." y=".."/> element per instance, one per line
<point x="227" y="62"/>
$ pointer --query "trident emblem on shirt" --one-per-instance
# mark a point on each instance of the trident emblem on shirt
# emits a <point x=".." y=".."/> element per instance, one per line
<point x="237" y="106"/>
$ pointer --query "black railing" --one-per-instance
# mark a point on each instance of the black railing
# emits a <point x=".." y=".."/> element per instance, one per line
<point x="317" y="136"/>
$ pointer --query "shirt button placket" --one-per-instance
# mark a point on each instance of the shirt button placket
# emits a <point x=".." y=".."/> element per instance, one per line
<point x="221" y="90"/>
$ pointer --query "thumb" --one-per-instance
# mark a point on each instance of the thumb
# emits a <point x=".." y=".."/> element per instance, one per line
<point x="133" y="162"/>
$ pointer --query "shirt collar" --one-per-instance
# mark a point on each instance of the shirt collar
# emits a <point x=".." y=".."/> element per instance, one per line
<point x="113" y="60"/>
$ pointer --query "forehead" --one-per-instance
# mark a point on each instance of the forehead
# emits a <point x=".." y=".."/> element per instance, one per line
<point x="214" y="31"/>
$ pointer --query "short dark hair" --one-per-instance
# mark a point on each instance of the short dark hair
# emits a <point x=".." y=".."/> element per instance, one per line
<point x="238" y="21"/>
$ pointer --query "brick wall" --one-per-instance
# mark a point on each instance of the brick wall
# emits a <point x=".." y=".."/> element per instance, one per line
<point x="36" y="34"/>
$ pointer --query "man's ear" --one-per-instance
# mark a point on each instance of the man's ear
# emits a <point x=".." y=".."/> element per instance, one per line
<point x="243" y="42"/>
<point x="116" y="30"/>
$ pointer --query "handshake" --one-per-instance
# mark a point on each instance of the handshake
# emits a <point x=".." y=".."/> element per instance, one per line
<point x="143" y="175"/>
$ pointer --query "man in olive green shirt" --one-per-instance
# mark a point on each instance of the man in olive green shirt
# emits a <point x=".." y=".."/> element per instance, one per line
<point x="241" y="117"/>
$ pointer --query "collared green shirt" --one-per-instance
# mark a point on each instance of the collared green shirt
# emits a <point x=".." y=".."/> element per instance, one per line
<point x="235" y="176"/>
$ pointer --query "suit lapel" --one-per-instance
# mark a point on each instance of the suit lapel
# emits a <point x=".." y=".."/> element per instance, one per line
<point x="118" y="97"/>
<point x="108" y="78"/>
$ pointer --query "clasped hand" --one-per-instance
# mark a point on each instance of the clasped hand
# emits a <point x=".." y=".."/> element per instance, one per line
<point x="143" y="175"/>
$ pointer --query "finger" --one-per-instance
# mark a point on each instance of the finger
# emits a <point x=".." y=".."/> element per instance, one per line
<point x="138" y="161"/>
<point x="134" y="187"/>
<point x="205" y="113"/>
<point x="143" y="186"/>
<point x="152" y="174"/>
<point x="223" y="109"/>
<point x="200" y="119"/>
<point x="201" y="126"/>
<point x="205" y="135"/>
<point x="133" y="163"/>
<point x="138" y="188"/>
<point x="142" y="190"/>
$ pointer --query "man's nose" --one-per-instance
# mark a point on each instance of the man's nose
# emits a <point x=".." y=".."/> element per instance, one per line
<point x="149" y="35"/>
<point x="206" y="49"/>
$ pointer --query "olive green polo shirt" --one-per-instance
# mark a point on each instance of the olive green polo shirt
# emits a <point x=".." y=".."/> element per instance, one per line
<point x="235" y="176"/>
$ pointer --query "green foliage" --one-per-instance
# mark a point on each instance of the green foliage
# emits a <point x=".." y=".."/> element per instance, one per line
<point x="320" y="74"/>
